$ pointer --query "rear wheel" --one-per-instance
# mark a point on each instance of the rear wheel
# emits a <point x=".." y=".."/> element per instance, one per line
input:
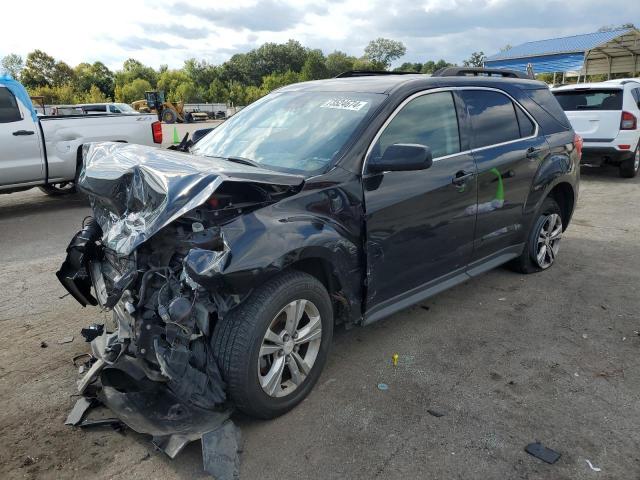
<point x="629" y="168"/>
<point x="57" y="189"/>
<point x="168" y="116"/>
<point x="543" y="242"/>
<point x="271" y="349"/>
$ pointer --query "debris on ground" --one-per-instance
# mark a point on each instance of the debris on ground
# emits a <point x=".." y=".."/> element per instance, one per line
<point x="92" y="331"/>
<point x="116" y="424"/>
<point x="77" y="412"/>
<point x="435" y="413"/>
<point x="545" y="454"/>
<point x="394" y="359"/>
<point x="595" y="469"/>
<point x="64" y="340"/>
<point x="28" y="461"/>
<point x="43" y="344"/>
<point x="220" y="449"/>
<point x="383" y="386"/>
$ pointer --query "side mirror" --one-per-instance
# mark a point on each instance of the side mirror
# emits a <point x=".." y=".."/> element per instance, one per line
<point x="402" y="157"/>
<point x="199" y="134"/>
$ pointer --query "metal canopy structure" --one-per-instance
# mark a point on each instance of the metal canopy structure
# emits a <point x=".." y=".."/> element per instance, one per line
<point x="614" y="51"/>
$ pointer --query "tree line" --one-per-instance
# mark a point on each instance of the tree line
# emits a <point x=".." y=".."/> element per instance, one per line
<point x="242" y="79"/>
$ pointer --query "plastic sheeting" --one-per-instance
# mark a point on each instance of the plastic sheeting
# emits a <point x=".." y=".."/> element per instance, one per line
<point x="135" y="190"/>
<point x="20" y="93"/>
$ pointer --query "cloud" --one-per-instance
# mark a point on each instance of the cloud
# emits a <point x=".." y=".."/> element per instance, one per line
<point x="139" y="43"/>
<point x="264" y="16"/>
<point x="188" y="33"/>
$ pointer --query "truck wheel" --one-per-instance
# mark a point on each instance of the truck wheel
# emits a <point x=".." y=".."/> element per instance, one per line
<point x="188" y="118"/>
<point x="272" y="347"/>
<point x="543" y="242"/>
<point x="169" y="116"/>
<point x="57" y="189"/>
<point x="629" y="168"/>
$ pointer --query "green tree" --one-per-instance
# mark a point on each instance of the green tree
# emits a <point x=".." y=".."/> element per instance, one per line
<point x="218" y="92"/>
<point x="409" y="67"/>
<point x="200" y="72"/>
<point x="93" y="95"/>
<point x="315" y="67"/>
<point x="12" y="65"/>
<point x="382" y="51"/>
<point x="94" y="74"/>
<point x="277" y="80"/>
<point x="338" y="62"/>
<point x="60" y="95"/>
<point x="62" y="74"/>
<point x="431" y="67"/>
<point x="475" y="60"/>
<point x="39" y="70"/>
<point x="133" y="69"/>
<point x="133" y="91"/>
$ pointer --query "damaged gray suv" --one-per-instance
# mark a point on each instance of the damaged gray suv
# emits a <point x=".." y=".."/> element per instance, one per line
<point x="331" y="202"/>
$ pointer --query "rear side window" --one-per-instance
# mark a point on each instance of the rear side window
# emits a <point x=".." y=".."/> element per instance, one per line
<point x="493" y="117"/>
<point x="589" y="99"/>
<point x="426" y="120"/>
<point x="9" y="111"/>
<point x="636" y="95"/>
<point x="527" y="127"/>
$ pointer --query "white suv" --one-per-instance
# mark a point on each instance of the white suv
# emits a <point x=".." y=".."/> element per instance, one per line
<point x="605" y="115"/>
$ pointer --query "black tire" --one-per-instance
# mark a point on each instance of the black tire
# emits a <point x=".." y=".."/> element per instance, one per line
<point x="188" y="118"/>
<point x="527" y="262"/>
<point x="59" y="189"/>
<point x="238" y="337"/>
<point x="168" y="116"/>
<point x="630" y="167"/>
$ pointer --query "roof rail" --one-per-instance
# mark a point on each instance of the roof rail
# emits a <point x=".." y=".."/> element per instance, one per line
<point x="624" y="82"/>
<point x="477" y="71"/>
<point x="370" y="73"/>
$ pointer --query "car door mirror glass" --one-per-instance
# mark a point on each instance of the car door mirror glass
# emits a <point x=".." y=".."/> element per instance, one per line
<point x="401" y="157"/>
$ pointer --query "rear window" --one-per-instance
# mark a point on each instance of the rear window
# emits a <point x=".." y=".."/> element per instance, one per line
<point x="591" y="99"/>
<point x="547" y="102"/>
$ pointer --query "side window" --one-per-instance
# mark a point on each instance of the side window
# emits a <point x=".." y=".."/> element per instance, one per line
<point x="9" y="111"/>
<point x="493" y="117"/>
<point x="527" y="127"/>
<point x="426" y="120"/>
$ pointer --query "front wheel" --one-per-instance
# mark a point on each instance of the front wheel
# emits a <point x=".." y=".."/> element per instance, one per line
<point x="543" y="242"/>
<point x="271" y="349"/>
<point x="630" y="167"/>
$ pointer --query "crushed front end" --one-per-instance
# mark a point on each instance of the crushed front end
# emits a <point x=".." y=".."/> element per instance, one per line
<point x="152" y="254"/>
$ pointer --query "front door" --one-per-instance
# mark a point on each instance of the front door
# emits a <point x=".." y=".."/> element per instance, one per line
<point x="419" y="224"/>
<point x="20" y="157"/>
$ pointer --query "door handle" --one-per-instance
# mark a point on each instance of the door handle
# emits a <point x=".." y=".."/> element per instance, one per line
<point x="23" y="132"/>
<point x="461" y="177"/>
<point x="533" y="152"/>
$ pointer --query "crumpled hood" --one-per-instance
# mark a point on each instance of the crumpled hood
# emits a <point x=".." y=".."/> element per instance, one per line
<point x="136" y="190"/>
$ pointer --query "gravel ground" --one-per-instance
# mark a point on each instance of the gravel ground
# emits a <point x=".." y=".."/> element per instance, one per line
<point x="508" y="359"/>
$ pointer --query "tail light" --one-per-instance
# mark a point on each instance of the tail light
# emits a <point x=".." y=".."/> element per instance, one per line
<point x="628" y="121"/>
<point x="577" y="142"/>
<point x="156" y="131"/>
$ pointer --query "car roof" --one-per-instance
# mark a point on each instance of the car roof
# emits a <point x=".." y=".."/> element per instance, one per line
<point x="386" y="84"/>
<point x="609" y="84"/>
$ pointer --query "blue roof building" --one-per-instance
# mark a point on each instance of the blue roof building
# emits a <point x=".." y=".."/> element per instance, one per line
<point x="614" y="51"/>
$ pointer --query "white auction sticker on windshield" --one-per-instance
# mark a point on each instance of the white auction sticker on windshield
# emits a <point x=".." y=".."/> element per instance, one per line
<point x="344" y="104"/>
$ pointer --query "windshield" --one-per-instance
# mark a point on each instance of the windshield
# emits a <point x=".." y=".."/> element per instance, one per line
<point x="297" y="132"/>
<point x="589" y="99"/>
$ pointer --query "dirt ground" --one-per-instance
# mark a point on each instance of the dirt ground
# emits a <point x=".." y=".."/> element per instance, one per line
<point x="508" y="359"/>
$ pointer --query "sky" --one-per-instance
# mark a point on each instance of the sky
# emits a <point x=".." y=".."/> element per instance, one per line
<point x="170" y="31"/>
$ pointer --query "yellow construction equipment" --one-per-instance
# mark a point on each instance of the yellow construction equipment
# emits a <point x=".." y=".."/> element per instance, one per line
<point x="168" y="112"/>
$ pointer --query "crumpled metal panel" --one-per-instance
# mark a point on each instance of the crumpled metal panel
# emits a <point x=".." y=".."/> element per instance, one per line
<point x="136" y="190"/>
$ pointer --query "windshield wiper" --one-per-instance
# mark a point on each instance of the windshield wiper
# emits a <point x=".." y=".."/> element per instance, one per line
<point x="243" y="161"/>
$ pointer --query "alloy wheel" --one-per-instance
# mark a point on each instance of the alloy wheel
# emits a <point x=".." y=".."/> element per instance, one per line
<point x="548" y="240"/>
<point x="289" y="348"/>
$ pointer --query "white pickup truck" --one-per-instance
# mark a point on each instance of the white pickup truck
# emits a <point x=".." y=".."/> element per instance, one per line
<point x="46" y="152"/>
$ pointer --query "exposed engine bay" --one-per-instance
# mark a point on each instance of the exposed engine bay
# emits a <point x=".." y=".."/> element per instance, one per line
<point x="154" y="253"/>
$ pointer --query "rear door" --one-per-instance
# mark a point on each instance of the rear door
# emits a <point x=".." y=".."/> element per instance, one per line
<point x="594" y="113"/>
<point x="21" y="160"/>
<point x="508" y="151"/>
